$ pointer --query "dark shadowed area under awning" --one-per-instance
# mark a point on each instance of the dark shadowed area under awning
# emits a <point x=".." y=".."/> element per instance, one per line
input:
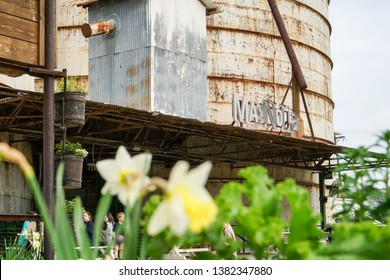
<point x="169" y="138"/>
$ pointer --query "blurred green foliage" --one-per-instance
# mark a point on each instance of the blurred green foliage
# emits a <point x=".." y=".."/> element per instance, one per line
<point x="256" y="205"/>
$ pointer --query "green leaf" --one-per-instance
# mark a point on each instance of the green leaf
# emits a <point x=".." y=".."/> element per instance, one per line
<point x="66" y="249"/>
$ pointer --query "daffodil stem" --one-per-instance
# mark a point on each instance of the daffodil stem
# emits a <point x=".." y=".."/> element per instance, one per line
<point x="132" y="217"/>
<point x="144" y="247"/>
<point x="11" y="154"/>
<point x="136" y="211"/>
<point x="127" y="233"/>
<point x="42" y="207"/>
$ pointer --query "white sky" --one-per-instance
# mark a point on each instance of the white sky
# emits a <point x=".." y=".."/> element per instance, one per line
<point x="360" y="44"/>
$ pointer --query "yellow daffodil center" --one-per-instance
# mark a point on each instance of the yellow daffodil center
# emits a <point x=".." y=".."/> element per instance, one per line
<point x="36" y="244"/>
<point x="200" y="213"/>
<point x="127" y="176"/>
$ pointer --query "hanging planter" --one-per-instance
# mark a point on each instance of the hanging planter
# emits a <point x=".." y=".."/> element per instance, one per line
<point x="72" y="154"/>
<point x="70" y="106"/>
<point x="70" y="102"/>
<point x="73" y="171"/>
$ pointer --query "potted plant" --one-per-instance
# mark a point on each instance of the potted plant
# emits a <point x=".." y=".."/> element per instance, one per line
<point x="72" y="154"/>
<point x="70" y="103"/>
<point x="69" y="205"/>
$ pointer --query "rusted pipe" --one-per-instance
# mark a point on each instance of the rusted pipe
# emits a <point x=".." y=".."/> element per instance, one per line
<point x="98" y="28"/>
<point x="287" y="44"/>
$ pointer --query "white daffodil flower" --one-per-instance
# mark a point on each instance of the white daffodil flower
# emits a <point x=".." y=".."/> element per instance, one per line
<point x="186" y="204"/>
<point x="36" y="244"/>
<point x="36" y="235"/>
<point x="25" y="233"/>
<point x="125" y="175"/>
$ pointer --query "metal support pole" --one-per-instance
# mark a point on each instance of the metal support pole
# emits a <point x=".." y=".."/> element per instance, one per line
<point x="322" y="199"/>
<point x="287" y="44"/>
<point x="48" y="119"/>
<point x="296" y="106"/>
<point x="63" y="114"/>
<point x="308" y="115"/>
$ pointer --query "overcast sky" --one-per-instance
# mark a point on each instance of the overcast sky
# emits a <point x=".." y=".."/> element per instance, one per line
<point x="360" y="43"/>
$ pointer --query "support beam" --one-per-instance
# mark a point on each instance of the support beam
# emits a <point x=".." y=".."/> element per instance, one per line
<point x="322" y="199"/>
<point x="287" y="44"/>
<point x="48" y="118"/>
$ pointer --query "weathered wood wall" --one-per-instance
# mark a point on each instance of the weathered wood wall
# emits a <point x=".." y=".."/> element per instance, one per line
<point x="21" y="33"/>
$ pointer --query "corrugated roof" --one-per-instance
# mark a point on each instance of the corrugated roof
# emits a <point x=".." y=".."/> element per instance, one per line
<point x="169" y="138"/>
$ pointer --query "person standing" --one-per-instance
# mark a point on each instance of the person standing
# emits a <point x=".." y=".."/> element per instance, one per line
<point x="90" y="226"/>
<point x="121" y="218"/>
<point x="28" y="228"/>
<point x="110" y="226"/>
<point x="107" y="230"/>
<point x="118" y="248"/>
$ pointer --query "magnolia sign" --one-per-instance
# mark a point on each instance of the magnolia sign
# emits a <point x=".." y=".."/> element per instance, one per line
<point x="268" y="113"/>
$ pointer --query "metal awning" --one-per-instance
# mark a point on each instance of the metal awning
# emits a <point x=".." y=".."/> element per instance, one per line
<point x="169" y="138"/>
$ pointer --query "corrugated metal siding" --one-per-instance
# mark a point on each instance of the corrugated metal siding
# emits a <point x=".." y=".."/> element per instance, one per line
<point x="15" y="194"/>
<point x="156" y="60"/>
<point x="180" y="57"/>
<point x="119" y="66"/>
<point x="133" y="30"/>
<point x="179" y="85"/>
<point x="247" y="57"/>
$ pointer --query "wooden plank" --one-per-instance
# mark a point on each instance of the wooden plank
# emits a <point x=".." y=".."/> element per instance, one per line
<point x="27" y="9"/>
<point x="18" y="50"/>
<point x="18" y="28"/>
<point x="41" y="44"/>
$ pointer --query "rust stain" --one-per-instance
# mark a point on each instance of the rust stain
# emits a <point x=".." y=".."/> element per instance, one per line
<point x="104" y="27"/>
<point x="146" y="64"/>
<point x="132" y="89"/>
<point x="145" y="102"/>
<point x="145" y="83"/>
<point x="132" y="71"/>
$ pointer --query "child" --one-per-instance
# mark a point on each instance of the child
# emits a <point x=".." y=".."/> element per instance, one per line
<point x="88" y="221"/>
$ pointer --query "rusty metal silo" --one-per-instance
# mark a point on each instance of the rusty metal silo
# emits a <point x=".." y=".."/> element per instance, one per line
<point x="246" y="57"/>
